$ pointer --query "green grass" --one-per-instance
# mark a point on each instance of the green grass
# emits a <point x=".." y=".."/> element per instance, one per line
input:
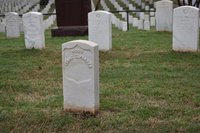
<point x="144" y="87"/>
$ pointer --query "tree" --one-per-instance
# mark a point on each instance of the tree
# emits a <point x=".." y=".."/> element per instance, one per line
<point x="97" y="5"/>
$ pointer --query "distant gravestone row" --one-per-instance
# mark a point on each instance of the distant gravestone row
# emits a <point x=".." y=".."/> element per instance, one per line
<point x="183" y="21"/>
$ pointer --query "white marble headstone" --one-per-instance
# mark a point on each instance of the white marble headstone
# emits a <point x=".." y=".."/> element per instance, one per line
<point x="146" y="17"/>
<point x="135" y="22"/>
<point x="164" y="14"/>
<point x="142" y="15"/>
<point x="152" y="21"/>
<point x="140" y="24"/>
<point x="124" y="26"/>
<point x="146" y="25"/>
<point x="186" y="29"/>
<point x="80" y="63"/>
<point x="33" y="30"/>
<point x="2" y="27"/>
<point x="12" y="25"/>
<point x="100" y="29"/>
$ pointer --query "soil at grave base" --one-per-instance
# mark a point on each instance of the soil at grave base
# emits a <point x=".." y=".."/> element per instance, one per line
<point x="82" y="114"/>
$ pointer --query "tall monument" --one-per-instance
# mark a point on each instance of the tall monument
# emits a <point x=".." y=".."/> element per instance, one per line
<point x="72" y="17"/>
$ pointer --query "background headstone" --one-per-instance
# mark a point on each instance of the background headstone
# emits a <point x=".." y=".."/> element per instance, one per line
<point x="100" y="29"/>
<point x="135" y="22"/>
<point x="80" y="62"/>
<point x="72" y="17"/>
<point x="12" y="25"/>
<point x="186" y="29"/>
<point x="140" y="24"/>
<point x="2" y="27"/>
<point x="33" y="30"/>
<point x="164" y="12"/>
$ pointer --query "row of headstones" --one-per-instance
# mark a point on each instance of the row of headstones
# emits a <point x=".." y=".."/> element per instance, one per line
<point x="18" y="6"/>
<point x="8" y="6"/>
<point x="121" y="25"/>
<point x="100" y="29"/>
<point x="32" y="26"/>
<point x="144" y="23"/>
<point x="182" y="21"/>
<point x="48" y="6"/>
<point x="49" y="21"/>
<point x="14" y="24"/>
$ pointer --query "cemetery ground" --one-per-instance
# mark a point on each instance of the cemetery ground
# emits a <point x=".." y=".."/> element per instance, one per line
<point x="144" y="87"/>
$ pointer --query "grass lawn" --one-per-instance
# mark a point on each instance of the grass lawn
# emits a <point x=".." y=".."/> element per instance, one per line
<point x="144" y="87"/>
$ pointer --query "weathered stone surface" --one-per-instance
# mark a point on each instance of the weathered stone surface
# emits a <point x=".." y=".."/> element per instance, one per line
<point x="12" y="25"/>
<point x="80" y="62"/>
<point x="140" y="24"/>
<point x="146" y="25"/>
<point x="33" y="30"/>
<point x="135" y="22"/>
<point x="164" y="12"/>
<point x="186" y="29"/>
<point x="100" y="29"/>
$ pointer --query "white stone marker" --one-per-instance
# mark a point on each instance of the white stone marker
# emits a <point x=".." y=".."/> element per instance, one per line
<point x="152" y="21"/>
<point x="100" y="29"/>
<point x="80" y="63"/>
<point x="135" y="22"/>
<point x="185" y="29"/>
<point x="142" y="15"/>
<point x="130" y="19"/>
<point x="12" y="25"/>
<point x="146" y="17"/>
<point x="33" y="30"/>
<point x="140" y="24"/>
<point x="2" y="27"/>
<point x="124" y="26"/>
<point x="146" y="25"/>
<point x="164" y="13"/>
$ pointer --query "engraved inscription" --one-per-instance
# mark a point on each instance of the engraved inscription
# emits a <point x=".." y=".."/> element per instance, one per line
<point x="77" y="53"/>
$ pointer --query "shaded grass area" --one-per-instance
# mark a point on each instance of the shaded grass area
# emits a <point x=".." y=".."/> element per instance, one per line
<point x="144" y="87"/>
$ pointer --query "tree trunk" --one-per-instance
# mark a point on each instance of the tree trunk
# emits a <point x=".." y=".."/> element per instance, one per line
<point x="98" y="4"/>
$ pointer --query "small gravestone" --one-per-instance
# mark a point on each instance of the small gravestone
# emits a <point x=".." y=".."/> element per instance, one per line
<point x="124" y="26"/>
<point x="2" y="27"/>
<point x="152" y="21"/>
<point x="12" y="25"/>
<point x="146" y="25"/>
<point x="130" y="19"/>
<point x="146" y="17"/>
<point x="33" y="30"/>
<point x="100" y="29"/>
<point x="135" y="22"/>
<point x="186" y="29"/>
<point x="80" y="62"/>
<point x="164" y="12"/>
<point x="140" y="24"/>
<point x="141" y="15"/>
